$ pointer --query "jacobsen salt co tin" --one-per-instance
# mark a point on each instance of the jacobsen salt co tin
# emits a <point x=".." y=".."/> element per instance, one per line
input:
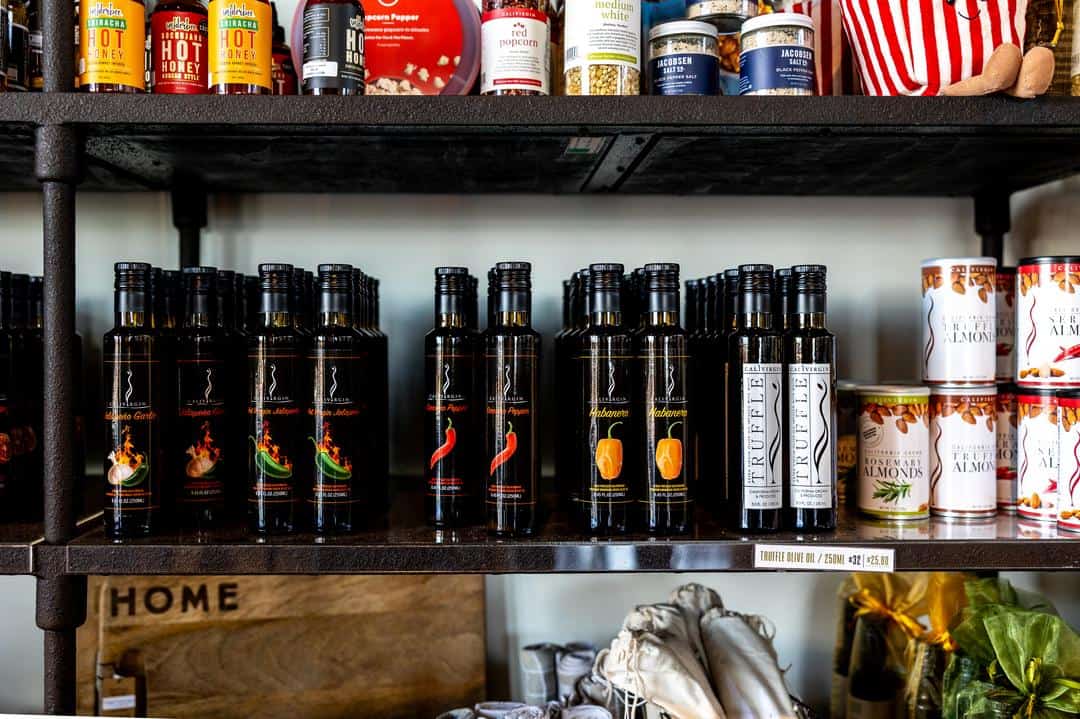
<point x="1048" y="322"/>
<point x="1005" y="300"/>
<point x="963" y="451"/>
<point x="1037" y="454"/>
<point x="1005" y="426"/>
<point x="893" y="449"/>
<point x="1069" y="460"/>
<point x="959" y="317"/>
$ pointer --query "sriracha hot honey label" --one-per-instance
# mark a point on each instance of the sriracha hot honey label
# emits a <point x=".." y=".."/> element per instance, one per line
<point x="337" y="415"/>
<point x="112" y="48"/>
<point x="241" y="39"/>
<point x="201" y="427"/>
<point x="179" y="52"/>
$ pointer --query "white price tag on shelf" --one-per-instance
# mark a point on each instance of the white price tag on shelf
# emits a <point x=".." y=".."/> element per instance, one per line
<point x="822" y="557"/>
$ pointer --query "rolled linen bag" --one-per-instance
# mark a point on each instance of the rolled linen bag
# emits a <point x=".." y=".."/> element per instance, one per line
<point x="572" y="666"/>
<point x="538" y="673"/>
<point x="665" y="621"/>
<point x="743" y="666"/>
<point x="693" y="600"/>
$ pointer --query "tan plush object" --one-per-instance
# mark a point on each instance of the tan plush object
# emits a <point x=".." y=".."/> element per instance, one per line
<point x="999" y="74"/>
<point x="1036" y="73"/>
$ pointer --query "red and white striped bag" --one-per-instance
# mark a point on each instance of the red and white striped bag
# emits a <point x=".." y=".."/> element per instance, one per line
<point x="836" y="72"/>
<point x="918" y="47"/>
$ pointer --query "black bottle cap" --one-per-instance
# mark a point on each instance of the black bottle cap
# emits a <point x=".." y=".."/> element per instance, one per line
<point x="755" y="289"/>
<point x="132" y="284"/>
<point x="453" y="286"/>
<point x="781" y="295"/>
<point x="275" y="280"/>
<point x="606" y="280"/>
<point x="200" y="279"/>
<point x="5" y="299"/>
<point x="512" y="283"/>
<point x="662" y="287"/>
<point x="335" y="288"/>
<point x="808" y="285"/>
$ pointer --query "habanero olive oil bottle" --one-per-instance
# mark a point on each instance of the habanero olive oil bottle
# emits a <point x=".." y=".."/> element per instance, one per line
<point x="451" y="425"/>
<point x="512" y="428"/>
<point x="810" y="391"/>
<point x="339" y="419"/>
<point x="755" y="415"/>
<point x="663" y="358"/>
<point x="275" y="402"/>
<point x="603" y="360"/>
<point x="135" y="465"/>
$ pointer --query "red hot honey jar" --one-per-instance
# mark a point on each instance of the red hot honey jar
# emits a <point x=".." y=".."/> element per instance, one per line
<point x="180" y="47"/>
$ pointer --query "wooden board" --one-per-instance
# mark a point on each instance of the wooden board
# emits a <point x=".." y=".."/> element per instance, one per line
<point x="291" y="647"/>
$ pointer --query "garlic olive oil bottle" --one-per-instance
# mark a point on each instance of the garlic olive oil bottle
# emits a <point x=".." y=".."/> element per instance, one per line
<point x="512" y="428"/>
<point x="755" y="407"/>
<point x="275" y="402"/>
<point x="135" y="464"/>
<point x="603" y="362"/>
<point x="663" y="359"/>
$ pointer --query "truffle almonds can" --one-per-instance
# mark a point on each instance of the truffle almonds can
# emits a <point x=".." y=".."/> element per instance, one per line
<point x="959" y="320"/>
<point x="1069" y="460"/>
<point x="893" y="452"/>
<point x="1037" y="454"/>
<point x="1048" y="322"/>
<point x="1005" y="428"/>
<point x="963" y="451"/>
<point x="1005" y="300"/>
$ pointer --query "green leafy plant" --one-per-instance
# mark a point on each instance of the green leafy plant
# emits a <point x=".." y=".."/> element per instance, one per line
<point x="890" y="491"/>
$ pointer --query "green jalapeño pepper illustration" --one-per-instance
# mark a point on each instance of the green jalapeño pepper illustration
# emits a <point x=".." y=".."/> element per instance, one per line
<point x="328" y="460"/>
<point x="268" y="459"/>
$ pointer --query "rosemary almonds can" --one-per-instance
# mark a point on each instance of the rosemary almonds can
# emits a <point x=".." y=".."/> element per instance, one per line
<point x="1037" y="454"/>
<point x="1048" y="322"/>
<point x="894" y="452"/>
<point x="1005" y="426"/>
<point x="1069" y="464"/>
<point x="959" y="320"/>
<point x="1005" y="300"/>
<point x="963" y="451"/>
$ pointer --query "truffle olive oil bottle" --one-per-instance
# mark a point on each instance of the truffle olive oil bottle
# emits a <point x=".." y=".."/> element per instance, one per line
<point x="603" y="361"/>
<point x="201" y="457"/>
<point x="135" y="464"/>
<point x="512" y="429"/>
<point x="339" y="420"/>
<point x="451" y="425"/>
<point x="275" y="402"/>
<point x="810" y="389"/>
<point x="755" y="415"/>
<point x="663" y="358"/>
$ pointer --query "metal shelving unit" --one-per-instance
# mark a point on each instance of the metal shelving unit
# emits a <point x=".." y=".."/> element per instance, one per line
<point x="985" y="148"/>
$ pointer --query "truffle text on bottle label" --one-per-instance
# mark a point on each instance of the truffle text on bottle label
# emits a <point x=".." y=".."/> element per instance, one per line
<point x="762" y="436"/>
<point x="811" y="436"/>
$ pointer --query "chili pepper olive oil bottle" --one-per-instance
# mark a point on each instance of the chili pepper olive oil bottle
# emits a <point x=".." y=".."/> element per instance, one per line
<point x="663" y="356"/>
<point x="810" y="389"/>
<point x="604" y="363"/>
<point x="201" y="457"/>
<point x="755" y="413"/>
<point x="135" y="464"/>
<point x="512" y="358"/>
<point x="451" y="427"/>
<point x="275" y="402"/>
<point x="339" y="420"/>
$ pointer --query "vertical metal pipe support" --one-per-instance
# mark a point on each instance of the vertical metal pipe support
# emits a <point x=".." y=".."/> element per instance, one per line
<point x="992" y="223"/>
<point x="58" y="51"/>
<point x="189" y="217"/>
<point x="61" y="608"/>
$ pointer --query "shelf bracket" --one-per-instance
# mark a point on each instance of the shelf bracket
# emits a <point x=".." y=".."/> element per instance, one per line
<point x="992" y="223"/>
<point x="189" y="217"/>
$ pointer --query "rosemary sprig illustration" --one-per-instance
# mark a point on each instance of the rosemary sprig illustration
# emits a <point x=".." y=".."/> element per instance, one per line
<point x="891" y="492"/>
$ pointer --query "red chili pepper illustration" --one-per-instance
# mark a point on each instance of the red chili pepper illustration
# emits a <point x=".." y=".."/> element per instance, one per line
<point x="1068" y="353"/>
<point x="447" y="446"/>
<point x="511" y="446"/>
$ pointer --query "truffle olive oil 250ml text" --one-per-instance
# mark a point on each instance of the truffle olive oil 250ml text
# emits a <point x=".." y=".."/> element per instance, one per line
<point x="512" y="359"/>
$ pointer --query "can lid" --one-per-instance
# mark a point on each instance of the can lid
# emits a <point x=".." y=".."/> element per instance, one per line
<point x="895" y="389"/>
<point x="1050" y="260"/>
<point x="1023" y="390"/>
<point x="778" y="19"/>
<point x="955" y="389"/>
<point x="959" y="261"/>
<point x="683" y="27"/>
<point x="1073" y="393"/>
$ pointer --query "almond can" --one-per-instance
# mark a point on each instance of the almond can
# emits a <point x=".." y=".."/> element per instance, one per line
<point x="1069" y="460"/>
<point x="959" y="318"/>
<point x="1005" y="427"/>
<point x="1005" y="300"/>
<point x="893" y="427"/>
<point x="1048" y="322"/>
<point x="963" y="451"/>
<point x="1037" y="454"/>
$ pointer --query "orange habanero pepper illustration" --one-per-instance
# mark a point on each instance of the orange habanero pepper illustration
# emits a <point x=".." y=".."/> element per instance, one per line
<point x="609" y="455"/>
<point x="669" y="453"/>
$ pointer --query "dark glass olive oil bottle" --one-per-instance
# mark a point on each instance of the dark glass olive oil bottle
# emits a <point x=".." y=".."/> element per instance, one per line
<point x="8" y="480"/>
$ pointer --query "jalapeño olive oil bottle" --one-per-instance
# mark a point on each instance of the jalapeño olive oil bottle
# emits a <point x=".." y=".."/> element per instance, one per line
<point x="275" y="401"/>
<point x="755" y="415"/>
<point x="135" y="464"/>
<point x="604" y="365"/>
<point x="666" y="424"/>
<point x="339" y="420"/>
<point x="512" y="359"/>
<point x="451" y="427"/>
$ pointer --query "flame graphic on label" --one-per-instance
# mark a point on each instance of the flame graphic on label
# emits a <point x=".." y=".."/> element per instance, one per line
<point x="333" y="380"/>
<point x="273" y="380"/>
<point x="506" y="387"/>
<point x="130" y="390"/>
<point x="610" y="378"/>
<point x="822" y="442"/>
<point x="774" y="445"/>
<point x="209" y="383"/>
<point x="930" y="342"/>
<point x="1034" y="330"/>
<point x="446" y="378"/>
<point x="670" y="387"/>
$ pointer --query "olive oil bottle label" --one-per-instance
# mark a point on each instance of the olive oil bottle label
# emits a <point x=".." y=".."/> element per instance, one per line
<point x="334" y="47"/>
<point x="762" y="456"/>
<point x="607" y="425"/>
<point x="449" y="429"/>
<point x="510" y="437"/>
<point x="112" y="43"/>
<point x="274" y="419"/>
<point x="201" y="429"/>
<point x="811" y="436"/>
<point x="667" y="428"/>
<point x="241" y="39"/>
<point x="132" y="433"/>
<point x="337" y="425"/>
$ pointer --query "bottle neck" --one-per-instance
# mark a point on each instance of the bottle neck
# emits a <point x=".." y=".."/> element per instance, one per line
<point x="807" y="320"/>
<point x="755" y="320"/>
<point x="517" y="318"/>
<point x="276" y="319"/>
<point x="335" y="319"/>
<point x="132" y="320"/>
<point x="200" y="311"/>
<point x="450" y="319"/>
<point x="661" y="319"/>
<point x="606" y="319"/>
<point x="131" y="309"/>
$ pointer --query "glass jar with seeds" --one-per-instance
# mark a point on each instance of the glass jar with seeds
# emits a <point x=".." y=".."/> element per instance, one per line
<point x="603" y="47"/>
<point x="683" y="58"/>
<point x="777" y="55"/>
<point x="726" y="15"/>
